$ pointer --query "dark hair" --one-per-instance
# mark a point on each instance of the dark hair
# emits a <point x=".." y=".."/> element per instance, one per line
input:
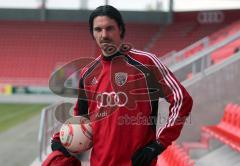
<point x="112" y="13"/>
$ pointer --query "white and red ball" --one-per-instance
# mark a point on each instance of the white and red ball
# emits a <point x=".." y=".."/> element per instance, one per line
<point x="76" y="134"/>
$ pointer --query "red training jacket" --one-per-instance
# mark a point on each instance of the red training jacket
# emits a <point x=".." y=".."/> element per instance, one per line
<point x="120" y="94"/>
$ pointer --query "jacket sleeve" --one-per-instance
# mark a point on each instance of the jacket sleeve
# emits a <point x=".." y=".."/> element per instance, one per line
<point x="179" y="99"/>
<point x="57" y="158"/>
<point x="81" y="106"/>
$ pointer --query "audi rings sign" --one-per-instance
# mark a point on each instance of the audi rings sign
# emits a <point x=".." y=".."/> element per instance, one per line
<point x="210" y="17"/>
<point x="111" y="99"/>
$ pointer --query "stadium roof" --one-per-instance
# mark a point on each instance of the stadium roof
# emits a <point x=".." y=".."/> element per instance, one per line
<point x="179" y="5"/>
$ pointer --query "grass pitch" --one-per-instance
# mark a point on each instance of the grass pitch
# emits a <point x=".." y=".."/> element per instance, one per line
<point x="14" y="114"/>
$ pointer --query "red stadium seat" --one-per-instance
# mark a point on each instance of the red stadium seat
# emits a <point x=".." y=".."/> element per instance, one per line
<point x="174" y="155"/>
<point x="228" y="129"/>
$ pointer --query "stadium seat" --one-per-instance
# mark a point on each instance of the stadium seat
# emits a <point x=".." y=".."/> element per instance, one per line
<point x="228" y="129"/>
<point x="174" y="155"/>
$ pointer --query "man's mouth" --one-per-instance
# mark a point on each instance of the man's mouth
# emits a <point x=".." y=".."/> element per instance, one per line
<point x="105" y="42"/>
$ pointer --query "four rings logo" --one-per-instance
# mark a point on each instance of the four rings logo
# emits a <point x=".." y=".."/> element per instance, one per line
<point x="209" y="17"/>
<point x="111" y="99"/>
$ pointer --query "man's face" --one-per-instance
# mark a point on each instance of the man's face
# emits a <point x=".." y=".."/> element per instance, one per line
<point x="106" y="31"/>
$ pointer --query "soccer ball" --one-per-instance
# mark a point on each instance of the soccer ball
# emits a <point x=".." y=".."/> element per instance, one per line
<point x="76" y="134"/>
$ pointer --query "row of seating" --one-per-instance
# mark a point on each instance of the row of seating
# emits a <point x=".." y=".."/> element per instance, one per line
<point x="218" y="36"/>
<point x="220" y="54"/>
<point x="226" y="51"/>
<point x="228" y="130"/>
<point x="30" y="50"/>
<point x="180" y="35"/>
<point x="174" y="155"/>
<point x="223" y="33"/>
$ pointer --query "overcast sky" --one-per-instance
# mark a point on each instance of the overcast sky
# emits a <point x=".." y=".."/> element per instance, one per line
<point x="126" y="4"/>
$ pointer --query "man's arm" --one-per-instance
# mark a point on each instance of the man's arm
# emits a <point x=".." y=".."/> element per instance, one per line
<point x="180" y="107"/>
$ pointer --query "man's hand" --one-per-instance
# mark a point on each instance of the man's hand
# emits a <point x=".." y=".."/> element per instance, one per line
<point x="60" y="156"/>
<point x="57" y="145"/>
<point x="145" y="155"/>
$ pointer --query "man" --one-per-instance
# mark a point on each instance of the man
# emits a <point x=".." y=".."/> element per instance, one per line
<point x="120" y="92"/>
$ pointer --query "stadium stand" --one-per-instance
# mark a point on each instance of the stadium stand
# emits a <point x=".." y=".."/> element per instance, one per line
<point x="36" y="48"/>
<point x="206" y="42"/>
<point x="186" y="32"/>
<point x="141" y="34"/>
<point x="197" y="26"/>
<point x="40" y="46"/>
<point x="217" y="37"/>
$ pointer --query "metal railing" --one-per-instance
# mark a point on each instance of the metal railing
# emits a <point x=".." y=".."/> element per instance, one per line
<point x="50" y="124"/>
<point x="200" y="60"/>
<point x="175" y="57"/>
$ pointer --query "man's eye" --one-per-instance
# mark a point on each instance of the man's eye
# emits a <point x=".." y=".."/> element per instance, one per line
<point x="97" y="29"/>
<point x="110" y="28"/>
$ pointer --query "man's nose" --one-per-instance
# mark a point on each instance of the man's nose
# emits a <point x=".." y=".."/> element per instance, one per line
<point x="104" y="33"/>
